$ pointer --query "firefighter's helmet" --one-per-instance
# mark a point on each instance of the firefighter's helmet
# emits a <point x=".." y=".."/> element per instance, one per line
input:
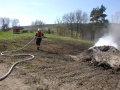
<point x="39" y="29"/>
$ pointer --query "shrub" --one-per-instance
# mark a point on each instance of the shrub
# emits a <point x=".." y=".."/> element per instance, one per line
<point x="24" y="31"/>
<point x="31" y="31"/>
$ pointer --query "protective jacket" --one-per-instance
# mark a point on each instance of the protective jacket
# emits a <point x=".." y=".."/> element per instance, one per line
<point x="39" y="35"/>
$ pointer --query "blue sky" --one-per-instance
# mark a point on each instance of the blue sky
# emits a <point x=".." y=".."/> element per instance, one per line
<point x="49" y="10"/>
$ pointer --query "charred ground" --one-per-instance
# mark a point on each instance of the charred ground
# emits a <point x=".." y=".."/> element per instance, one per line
<point x="54" y="69"/>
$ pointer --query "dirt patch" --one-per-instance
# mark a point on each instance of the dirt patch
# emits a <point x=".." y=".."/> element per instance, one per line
<point x="54" y="69"/>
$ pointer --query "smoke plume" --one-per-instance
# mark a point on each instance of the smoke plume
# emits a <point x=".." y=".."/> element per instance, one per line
<point x="111" y="38"/>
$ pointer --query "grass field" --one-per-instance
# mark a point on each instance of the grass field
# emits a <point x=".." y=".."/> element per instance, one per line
<point x="10" y="36"/>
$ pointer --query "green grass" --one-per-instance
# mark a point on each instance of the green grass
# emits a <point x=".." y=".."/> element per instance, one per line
<point x="67" y="38"/>
<point x="10" y="36"/>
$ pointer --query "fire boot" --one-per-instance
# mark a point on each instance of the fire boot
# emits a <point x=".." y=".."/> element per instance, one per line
<point x="37" y="48"/>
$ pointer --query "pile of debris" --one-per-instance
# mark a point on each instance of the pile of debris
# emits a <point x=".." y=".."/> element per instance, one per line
<point x="106" y="56"/>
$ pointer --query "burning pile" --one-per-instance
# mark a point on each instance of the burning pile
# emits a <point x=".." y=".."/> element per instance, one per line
<point x="107" y="56"/>
<point x="106" y="50"/>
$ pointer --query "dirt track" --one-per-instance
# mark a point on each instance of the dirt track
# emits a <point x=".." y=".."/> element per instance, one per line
<point x="53" y="69"/>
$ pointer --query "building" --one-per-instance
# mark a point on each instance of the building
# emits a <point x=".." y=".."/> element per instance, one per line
<point x="16" y="30"/>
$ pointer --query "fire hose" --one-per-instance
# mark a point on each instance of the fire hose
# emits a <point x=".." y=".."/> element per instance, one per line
<point x="6" y="53"/>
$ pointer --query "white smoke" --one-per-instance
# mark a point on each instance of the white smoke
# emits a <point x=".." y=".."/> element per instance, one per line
<point x="112" y="38"/>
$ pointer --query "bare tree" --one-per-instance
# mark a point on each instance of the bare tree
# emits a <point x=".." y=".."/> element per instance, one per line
<point x="116" y="17"/>
<point x="32" y="27"/>
<point x="84" y="21"/>
<point x="84" y="17"/>
<point x="37" y="24"/>
<point x="69" y="20"/>
<point x="14" y="22"/>
<point x="61" y="27"/>
<point x="75" y="21"/>
<point x="78" y="21"/>
<point x="4" y="22"/>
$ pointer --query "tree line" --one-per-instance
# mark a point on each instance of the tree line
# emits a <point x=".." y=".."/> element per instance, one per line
<point x="79" y="24"/>
<point x="6" y="22"/>
<point x="76" y="24"/>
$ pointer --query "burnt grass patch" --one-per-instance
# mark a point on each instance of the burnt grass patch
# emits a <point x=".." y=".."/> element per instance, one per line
<point x="54" y="69"/>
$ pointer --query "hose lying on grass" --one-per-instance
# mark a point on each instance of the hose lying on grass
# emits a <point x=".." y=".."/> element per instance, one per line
<point x="6" y="53"/>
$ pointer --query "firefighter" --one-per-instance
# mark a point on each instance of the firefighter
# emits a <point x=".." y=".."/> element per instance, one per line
<point x="38" y="37"/>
